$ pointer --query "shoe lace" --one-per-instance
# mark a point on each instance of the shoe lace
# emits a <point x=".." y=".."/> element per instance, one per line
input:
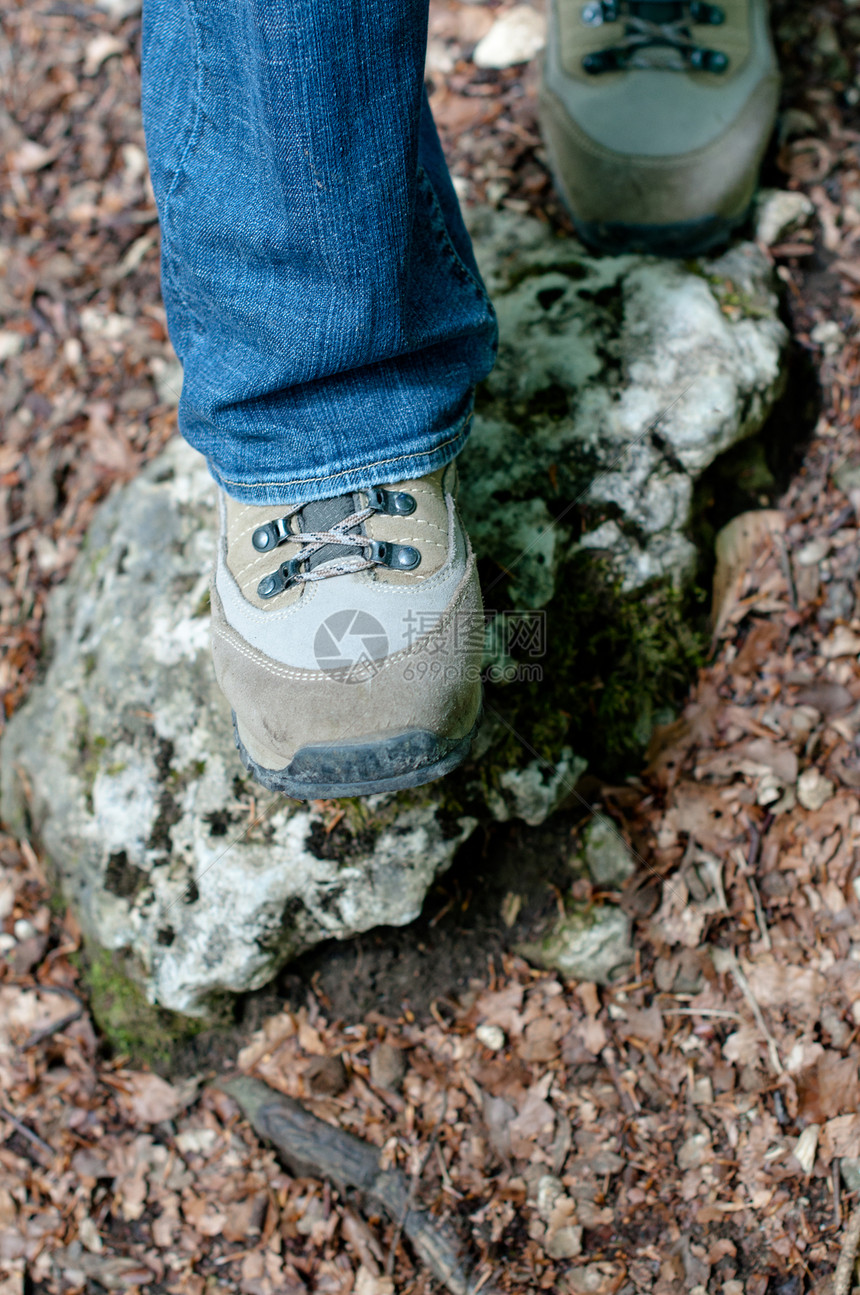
<point x="343" y="534"/>
<point x="650" y="25"/>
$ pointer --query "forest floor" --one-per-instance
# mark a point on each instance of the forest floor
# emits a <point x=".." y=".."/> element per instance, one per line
<point x="695" y="1129"/>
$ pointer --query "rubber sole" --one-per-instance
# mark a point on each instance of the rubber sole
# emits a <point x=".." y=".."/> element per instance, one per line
<point x="685" y="239"/>
<point x="325" y="771"/>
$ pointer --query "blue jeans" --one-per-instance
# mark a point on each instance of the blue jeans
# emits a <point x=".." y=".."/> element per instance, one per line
<point x="320" y="286"/>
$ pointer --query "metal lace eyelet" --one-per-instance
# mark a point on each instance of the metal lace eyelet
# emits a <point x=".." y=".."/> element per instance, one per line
<point x="397" y="557"/>
<point x="277" y="581"/>
<point x="707" y="14"/>
<point x="393" y="503"/>
<point x="271" y="535"/>
<point x="708" y="60"/>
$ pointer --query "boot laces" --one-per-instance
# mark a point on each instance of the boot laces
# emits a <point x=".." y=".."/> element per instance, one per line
<point x="362" y="551"/>
<point x="312" y="541"/>
<point x="650" y="26"/>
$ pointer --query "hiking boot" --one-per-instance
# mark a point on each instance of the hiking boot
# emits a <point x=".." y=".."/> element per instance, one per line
<point x="656" y="115"/>
<point x="347" y="636"/>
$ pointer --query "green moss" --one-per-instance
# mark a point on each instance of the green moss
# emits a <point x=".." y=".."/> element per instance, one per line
<point x="613" y="662"/>
<point x="128" y="1023"/>
<point x="90" y="752"/>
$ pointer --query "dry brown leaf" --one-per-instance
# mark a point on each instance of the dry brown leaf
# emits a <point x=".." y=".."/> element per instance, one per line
<point x="736" y="546"/>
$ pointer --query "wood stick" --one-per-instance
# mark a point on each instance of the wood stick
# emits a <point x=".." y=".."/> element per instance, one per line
<point x="311" y="1148"/>
<point x="848" y="1256"/>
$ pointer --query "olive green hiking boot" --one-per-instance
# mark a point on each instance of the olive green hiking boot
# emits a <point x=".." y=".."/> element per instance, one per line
<point x="656" y="115"/>
<point x="347" y="635"/>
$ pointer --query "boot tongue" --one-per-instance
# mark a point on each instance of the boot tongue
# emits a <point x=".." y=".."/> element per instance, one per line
<point x="322" y="515"/>
<point x="661" y="11"/>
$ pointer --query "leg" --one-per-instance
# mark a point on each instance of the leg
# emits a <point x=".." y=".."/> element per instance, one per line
<point x="322" y="295"/>
<point x="319" y="283"/>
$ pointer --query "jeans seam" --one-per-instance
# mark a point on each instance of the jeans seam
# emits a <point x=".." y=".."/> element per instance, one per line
<point x="345" y="472"/>
<point x="196" y="117"/>
<point x="439" y="219"/>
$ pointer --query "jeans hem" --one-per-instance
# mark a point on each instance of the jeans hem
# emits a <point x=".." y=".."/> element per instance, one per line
<point x="303" y="490"/>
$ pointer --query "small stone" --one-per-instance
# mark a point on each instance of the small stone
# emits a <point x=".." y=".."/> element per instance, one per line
<point x="779" y="213"/>
<point x="703" y="1091"/>
<point x="695" y="1151"/>
<point x="492" y="1037"/>
<point x="24" y="929"/>
<point x="7" y="942"/>
<point x="119" y="9"/>
<point x="533" y="792"/>
<point x="842" y="642"/>
<point x="812" y="553"/>
<point x="829" y="336"/>
<point x="813" y="789"/>
<point x="592" y="945"/>
<point x="99" y="49"/>
<point x="607" y="854"/>
<point x="514" y="38"/>
<point x="327" y="1076"/>
<point x="387" y="1067"/>
<point x="11" y="344"/>
<point x="849" y="1168"/>
<point x="846" y="476"/>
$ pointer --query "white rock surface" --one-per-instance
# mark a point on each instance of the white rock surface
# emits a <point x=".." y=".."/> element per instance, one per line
<point x="515" y="37"/>
<point x="630" y="375"/>
<point x="779" y="213"/>
<point x="591" y="945"/>
<point x="607" y="855"/>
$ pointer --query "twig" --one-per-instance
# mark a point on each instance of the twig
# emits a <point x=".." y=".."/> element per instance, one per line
<point x="39" y="1036"/>
<point x="785" y="566"/>
<point x="23" y="524"/>
<point x="413" y="1188"/>
<point x="312" y="1148"/>
<point x="725" y="960"/>
<point x="700" y="1011"/>
<point x="26" y="1133"/>
<point x="848" y="1256"/>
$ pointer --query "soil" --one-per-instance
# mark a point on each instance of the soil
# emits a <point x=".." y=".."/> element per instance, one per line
<point x="391" y="971"/>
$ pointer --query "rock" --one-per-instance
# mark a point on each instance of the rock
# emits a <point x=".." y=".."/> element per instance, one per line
<point x="829" y="336"/>
<point x="123" y="762"/>
<point x="532" y="793"/>
<point x="591" y="944"/>
<point x="695" y="1151"/>
<point x="515" y="37"/>
<point x="849" y="1168"/>
<point x="387" y="1067"/>
<point x="779" y="213"/>
<point x="606" y="853"/>
<point x="492" y="1037"/>
<point x="563" y="1236"/>
<point x="619" y="382"/>
<point x="11" y="344"/>
<point x="593" y="353"/>
<point x="326" y="1076"/>
<point x="813" y="789"/>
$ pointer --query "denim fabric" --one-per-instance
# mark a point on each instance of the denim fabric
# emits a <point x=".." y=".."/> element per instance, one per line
<point x="320" y="287"/>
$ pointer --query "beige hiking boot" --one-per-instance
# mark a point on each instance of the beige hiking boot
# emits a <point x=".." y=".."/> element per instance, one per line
<point x="656" y="115"/>
<point x="347" y="636"/>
